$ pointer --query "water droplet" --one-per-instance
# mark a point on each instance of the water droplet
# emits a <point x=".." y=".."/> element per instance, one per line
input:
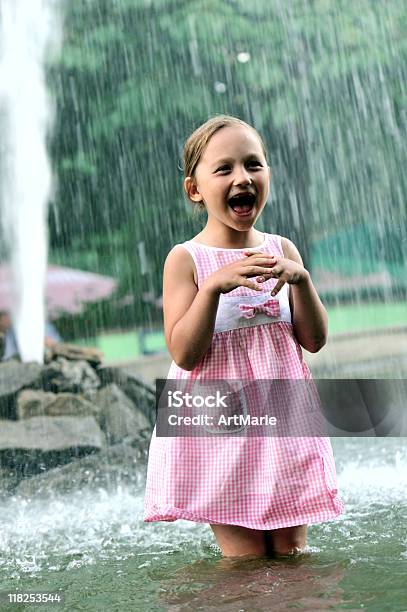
<point x="243" y="57"/>
<point x="220" y="87"/>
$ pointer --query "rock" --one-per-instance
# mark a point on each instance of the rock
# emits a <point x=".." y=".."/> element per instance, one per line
<point x="141" y="394"/>
<point x="118" y="417"/>
<point x="32" y="403"/>
<point x="112" y="466"/>
<point x="14" y="376"/>
<point x="73" y="352"/>
<point x="70" y="421"/>
<point x="35" y="445"/>
<point x="72" y="376"/>
<point x="51" y="433"/>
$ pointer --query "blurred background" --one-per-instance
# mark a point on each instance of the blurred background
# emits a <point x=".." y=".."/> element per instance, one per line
<point x="323" y="82"/>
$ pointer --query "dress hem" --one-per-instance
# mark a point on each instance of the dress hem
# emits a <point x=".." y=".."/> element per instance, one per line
<point x="173" y="514"/>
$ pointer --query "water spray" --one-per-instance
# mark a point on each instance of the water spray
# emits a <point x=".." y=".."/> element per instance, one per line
<point x="27" y="32"/>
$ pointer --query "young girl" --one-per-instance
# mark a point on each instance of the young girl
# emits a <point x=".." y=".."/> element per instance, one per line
<point x="257" y="493"/>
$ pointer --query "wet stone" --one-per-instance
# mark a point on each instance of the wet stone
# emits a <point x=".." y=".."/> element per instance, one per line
<point x="141" y="394"/>
<point x="70" y="376"/>
<point x="51" y="433"/>
<point x="119" y="417"/>
<point x="73" y="352"/>
<point x="15" y="376"/>
<point x="41" y="403"/>
<point x="119" y="464"/>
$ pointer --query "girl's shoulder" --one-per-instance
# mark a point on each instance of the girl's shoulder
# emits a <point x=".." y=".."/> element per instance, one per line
<point x="274" y="243"/>
<point x="180" y="261"/>
<point x="285" y="246"/>
<point x="289" y="250"/>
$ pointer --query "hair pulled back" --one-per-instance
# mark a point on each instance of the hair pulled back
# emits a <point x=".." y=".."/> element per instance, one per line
<point x="197" y="142"/>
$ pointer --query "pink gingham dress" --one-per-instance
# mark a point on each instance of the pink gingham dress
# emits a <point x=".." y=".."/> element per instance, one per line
<point x="256" y="482"/>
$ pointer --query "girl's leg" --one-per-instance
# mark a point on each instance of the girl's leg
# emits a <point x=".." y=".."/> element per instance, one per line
<point x="287" y="540"/>
<point x="236" y="541"/>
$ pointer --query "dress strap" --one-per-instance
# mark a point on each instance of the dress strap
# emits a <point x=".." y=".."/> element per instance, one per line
<point x="193" y="250"/>
<point x="273" y="243"/>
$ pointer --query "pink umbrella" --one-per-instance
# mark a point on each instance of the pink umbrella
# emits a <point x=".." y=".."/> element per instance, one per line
<point x="66" y="289"/>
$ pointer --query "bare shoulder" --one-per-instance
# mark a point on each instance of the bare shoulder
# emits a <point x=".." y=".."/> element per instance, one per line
<point x="179" y="288"/>
<point x="290" y="251"/>
<point x="179" y="264"/>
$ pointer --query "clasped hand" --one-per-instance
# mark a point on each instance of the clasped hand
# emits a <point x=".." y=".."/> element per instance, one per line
<point x="263" y="266"/>
<point x="286" y="270"/>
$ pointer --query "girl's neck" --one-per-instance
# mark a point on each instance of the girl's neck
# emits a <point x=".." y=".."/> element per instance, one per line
<point x="229" y="238"/>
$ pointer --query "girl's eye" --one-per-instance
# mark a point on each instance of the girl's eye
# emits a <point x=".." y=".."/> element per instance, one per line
<point x="253" y="162"/>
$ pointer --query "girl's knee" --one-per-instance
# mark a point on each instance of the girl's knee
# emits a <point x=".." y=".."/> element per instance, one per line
<point x="286" y="550"/>
<point x="236" y="541"/>
<point x="287" y="541"/>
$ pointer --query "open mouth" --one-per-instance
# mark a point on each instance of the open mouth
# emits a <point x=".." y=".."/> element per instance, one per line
<point x="242" y="204"/>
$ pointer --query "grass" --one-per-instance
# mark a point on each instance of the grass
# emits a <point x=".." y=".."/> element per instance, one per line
<point x="118" y="346"/>
<point x="126" y="345"/>
<point x="361" y="317"/>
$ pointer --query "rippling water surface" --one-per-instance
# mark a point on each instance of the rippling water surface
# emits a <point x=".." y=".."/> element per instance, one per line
<point x="93" y="547"/>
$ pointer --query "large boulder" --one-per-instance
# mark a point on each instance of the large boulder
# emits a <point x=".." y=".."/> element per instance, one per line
<point x="141" y="394"/>
<point x="118" y="416"/>
<point x="40" y="443"/>
<point x="51" y="433"/>
<point x="121" y="464"/>
<point x="15" y="376"/>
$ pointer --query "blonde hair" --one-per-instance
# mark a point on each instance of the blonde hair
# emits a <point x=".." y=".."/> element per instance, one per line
<point x="197" y="142"/>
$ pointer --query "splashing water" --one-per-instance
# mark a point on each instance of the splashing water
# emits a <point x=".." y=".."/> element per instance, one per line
<point x="89" y="542"/>
<point x="27" y="29"/>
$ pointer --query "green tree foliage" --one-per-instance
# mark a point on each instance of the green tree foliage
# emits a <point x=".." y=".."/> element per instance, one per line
<point x="322" y="80"/>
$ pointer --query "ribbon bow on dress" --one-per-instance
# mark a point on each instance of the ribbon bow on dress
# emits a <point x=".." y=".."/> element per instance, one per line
<point x="271" y="308"/>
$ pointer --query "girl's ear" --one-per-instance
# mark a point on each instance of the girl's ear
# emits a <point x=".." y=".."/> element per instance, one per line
<point x="192" y="190"/>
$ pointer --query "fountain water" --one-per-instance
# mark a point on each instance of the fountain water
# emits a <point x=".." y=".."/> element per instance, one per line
<point x="27" y="31"/>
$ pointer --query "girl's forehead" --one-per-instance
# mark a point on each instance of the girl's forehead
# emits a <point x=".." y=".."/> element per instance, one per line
<point x="232" y="141"/>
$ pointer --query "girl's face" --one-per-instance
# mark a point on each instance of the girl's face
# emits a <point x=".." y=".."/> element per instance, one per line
<point x="232" y="178"/>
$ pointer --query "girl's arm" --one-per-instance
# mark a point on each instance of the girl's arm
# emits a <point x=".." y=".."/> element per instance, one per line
<point x="189" y="314"/>
<point x="310" y="319"/>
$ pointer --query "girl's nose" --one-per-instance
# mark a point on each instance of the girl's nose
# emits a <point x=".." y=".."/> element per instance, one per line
<point x="242" y="177"/>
